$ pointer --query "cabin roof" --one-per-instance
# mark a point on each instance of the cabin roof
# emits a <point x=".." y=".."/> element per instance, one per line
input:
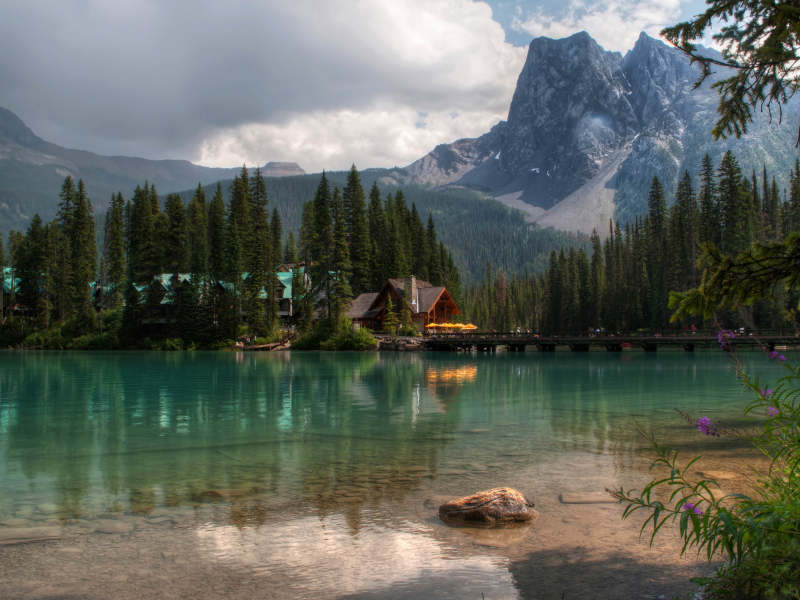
<point x="361" y="306"/>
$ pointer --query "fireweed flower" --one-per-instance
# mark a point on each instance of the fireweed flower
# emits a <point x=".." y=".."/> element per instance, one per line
<point x="774" y="355"/>
<point x="706" y="426"/>
<point x="724" y="337"/>
<point x="766" y="393"/>
<point x="782" y="358"/>
<point x="691" y="507"/>
<point x="773" y="412"/>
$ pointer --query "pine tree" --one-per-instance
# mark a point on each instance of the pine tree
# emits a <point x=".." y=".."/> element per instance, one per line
<point x="395" y="257"/>
<point x="322" y="245"/>
<point x="240" y="210"/>
<point x="377" y="236"/>
<point x="175" y="251"/>
<point x="340" y="269"/>
<point x="29" y="258"/>
<point x="709" y="209"/>
<point x="355" y="208"/>
<point x="657" y="242"/>
<point x="391" y="320"/>
<point x="306" y="233"/>
<point x="115" y="242"/>
<point x="434" y="266"/>
<point x="197" y="240"/>
<point x="144" y="262"/>
<point x="83" y="258"/>
<point x="290" y="249"/>
<point x="734" y="209"/>
<point x="261" y="268"/>
<point x="597" y="280"/>
<point x="217" y="236"/>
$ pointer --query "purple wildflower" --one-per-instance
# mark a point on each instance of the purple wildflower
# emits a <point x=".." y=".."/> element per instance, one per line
<point x="724" y="336"/>
<point x="774" y="355"/>
<point x="782" y="358"/>
<point x="774" y="412"/>
<point x="707" y="426"/>
<point x="695" y="509"/>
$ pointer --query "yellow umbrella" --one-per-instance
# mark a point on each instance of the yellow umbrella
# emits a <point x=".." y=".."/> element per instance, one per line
<point x="457" y="326"/>
<point x="431" y="325"/>
<point x="470" y="326"/>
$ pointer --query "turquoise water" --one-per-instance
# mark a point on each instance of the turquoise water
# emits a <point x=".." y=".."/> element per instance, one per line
<point x="318" y="475"/>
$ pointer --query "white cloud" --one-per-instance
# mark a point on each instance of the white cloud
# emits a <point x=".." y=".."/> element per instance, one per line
<point x="615" y="24"/>
<point x="317" y="82"/>
<point x="445" y="59"/>
<point x="382" y="137"/>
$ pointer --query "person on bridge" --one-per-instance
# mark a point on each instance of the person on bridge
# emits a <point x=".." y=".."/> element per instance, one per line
<point x="694" y="329"/>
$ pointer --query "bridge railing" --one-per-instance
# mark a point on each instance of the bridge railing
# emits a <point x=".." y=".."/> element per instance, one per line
<point x="643" y="336"/>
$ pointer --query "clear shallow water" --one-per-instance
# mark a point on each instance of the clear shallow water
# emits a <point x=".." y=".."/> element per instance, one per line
<point x="293" y="475"/>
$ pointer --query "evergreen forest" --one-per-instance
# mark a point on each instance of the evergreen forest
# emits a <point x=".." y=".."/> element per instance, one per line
<point x="623" y="283"/>
<point x="202" y="272"/>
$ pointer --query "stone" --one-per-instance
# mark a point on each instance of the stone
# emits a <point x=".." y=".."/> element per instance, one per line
<point x="48" y="509"/>
<point x="497" y="506"/>
<point x="17" y="523"/>
<point x="452" y="472"/>
<point x="110" y="526"/>
<point x="24" y="513"/>
<point x="21" y="535"/>
<point x="588" y="498"/>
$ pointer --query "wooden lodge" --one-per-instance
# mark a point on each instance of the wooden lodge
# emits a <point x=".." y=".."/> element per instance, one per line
<point x="428" y="304"/>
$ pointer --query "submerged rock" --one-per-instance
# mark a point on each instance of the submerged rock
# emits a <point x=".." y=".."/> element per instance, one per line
<point x="28" y="534"/>
<point x="588" y="498"/>
<point x="492" y="507"/>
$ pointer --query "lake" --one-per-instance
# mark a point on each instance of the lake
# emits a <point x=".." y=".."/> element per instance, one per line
<point x="319" y="475"/>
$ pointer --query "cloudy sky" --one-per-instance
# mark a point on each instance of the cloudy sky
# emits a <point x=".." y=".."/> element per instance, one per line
<point x="320" y="83"/>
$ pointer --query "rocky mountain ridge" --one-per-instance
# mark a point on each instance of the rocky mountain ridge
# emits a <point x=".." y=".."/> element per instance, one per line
<point x="588" y="129"/>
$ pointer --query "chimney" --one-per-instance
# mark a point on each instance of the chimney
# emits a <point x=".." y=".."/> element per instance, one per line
<point x="411" y="292"/>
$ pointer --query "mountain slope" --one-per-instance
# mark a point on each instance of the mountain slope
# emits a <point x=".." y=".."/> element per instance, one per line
<point x="588" y="130"/>
<point x="32" y="169"/>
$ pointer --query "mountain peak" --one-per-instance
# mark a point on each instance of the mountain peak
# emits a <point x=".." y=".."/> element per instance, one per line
<point x="12" y="128"/>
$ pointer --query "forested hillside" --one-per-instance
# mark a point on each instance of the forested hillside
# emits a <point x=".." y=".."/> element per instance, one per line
<point x="625" y="283"/>
<point x="475" y="229"/>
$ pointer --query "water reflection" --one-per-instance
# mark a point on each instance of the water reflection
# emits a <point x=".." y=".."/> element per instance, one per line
<point x="277" y="463"/>
<point x="150" y="429"/>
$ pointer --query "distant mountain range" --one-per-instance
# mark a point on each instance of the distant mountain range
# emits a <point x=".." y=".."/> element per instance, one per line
<point x="32" y="170"/>
<point x="588" y="129"/>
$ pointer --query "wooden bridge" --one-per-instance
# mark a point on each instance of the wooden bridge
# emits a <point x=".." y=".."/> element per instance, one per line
<point x="615" y="341"/>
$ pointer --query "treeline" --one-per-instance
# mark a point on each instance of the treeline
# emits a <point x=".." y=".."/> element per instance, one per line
<point x="624" y="282"/>
<point x="355" y="244"/>
<point x="475" y="229"/>
<point x="220" y="260"/>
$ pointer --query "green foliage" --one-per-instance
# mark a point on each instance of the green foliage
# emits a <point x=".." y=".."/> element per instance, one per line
<point x="409" y="331"/>
<point x="760" y="44"/>
<point x="639" y="273"/>
<point x="757" y="535"/>
<point x="342" y="337"/>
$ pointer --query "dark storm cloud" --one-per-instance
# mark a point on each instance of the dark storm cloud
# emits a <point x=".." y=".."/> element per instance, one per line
<point x="155" y="78"/>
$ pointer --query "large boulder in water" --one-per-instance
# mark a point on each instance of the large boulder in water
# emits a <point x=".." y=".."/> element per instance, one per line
<point x="492" y="507"/>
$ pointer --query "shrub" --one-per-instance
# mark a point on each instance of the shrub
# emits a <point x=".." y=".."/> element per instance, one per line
<point x="758" y="536"/>
<point x="104" y="341"/>
<point x="409" y="330"/>
<point x="325" y="337"/>
<point x="173" y="344"/>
